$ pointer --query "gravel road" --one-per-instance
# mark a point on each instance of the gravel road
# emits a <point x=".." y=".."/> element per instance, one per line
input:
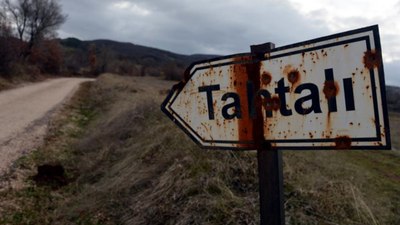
<point x="25" y="113"/>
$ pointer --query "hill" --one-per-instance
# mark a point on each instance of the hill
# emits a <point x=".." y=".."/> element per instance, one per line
<point x="130" y="50"/>
<point x="393" y="98"/>
<point x="124" y="58"/>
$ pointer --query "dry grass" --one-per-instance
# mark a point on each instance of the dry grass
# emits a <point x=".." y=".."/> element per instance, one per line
<point x="342" y="188"/>
<point x="131" y="165"/>
<point x="394" y="118"/>
<point x="137" y="168"/>
<point x="5" y="84"/>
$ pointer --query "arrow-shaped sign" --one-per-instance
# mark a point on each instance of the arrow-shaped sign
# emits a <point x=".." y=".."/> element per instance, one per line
<point x="326" y="93"/>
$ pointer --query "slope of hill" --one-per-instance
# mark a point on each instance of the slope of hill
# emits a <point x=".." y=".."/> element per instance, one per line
<point x="123" y="49"/>
<point x="122" y="57"/>
<point x="393" y="98"/>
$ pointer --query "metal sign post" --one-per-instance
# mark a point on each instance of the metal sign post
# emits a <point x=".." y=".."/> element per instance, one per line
<point x="270" y="178"/>
<point x="269" y="160"/>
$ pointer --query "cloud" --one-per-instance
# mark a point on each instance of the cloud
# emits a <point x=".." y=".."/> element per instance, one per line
<point x="126" y="6"/>
<point x="219" y="27"/>
<point x="392" y="74"/>
<point x="350" y="14"/>
<point x="398" y="6"/>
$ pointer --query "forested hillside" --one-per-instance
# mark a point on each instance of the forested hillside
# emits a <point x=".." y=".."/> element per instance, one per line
<point x="101" y="56"/>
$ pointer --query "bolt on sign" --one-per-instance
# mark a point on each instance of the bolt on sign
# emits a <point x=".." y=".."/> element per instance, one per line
<point x="325" y="93"/>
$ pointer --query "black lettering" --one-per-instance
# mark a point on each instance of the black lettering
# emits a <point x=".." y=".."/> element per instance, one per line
<point x="235" y="105"/>
<point x="313" y="96"/>
<point x="349" y="94"/>
<point x="267" y="96"/>
<point x="281" y="90"/>
<point x="209" y="89"/>
<point x="251" y="99"/>
<point x="332" y="107"/>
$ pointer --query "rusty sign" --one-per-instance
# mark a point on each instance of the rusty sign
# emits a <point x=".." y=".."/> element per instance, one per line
<point x="326" y="93"/>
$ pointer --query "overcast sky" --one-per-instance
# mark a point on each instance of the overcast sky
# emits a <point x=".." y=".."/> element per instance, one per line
<point x="231" y="26"/>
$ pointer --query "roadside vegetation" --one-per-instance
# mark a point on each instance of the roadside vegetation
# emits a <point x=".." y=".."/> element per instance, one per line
<point x="126" y="163"/>
<point x="29" y="50"/>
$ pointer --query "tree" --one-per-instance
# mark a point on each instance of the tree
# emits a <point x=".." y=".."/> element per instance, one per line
<point x="5" y="27"/>
<point x="172" y="71"/>
<point x="34" y="20"/>
<point x="19" y="13"/>
<point x="92" y="58"/>
<point x="7" y="45"/>
<point x="47" y="56"/>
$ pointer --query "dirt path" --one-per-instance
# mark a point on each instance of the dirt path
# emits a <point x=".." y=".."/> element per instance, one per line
<point x="24" y="115"/>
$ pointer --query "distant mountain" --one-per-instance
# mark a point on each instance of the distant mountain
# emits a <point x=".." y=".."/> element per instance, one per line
<point x="123" y="51"/>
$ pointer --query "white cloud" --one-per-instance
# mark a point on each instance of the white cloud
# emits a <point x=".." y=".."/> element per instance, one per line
<point x="130" y="7"/>
<point x="398" y="6"/>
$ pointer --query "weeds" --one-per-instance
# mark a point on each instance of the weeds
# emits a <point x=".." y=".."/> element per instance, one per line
<point x="37" y="199"/>
<point x="130" y="165"/>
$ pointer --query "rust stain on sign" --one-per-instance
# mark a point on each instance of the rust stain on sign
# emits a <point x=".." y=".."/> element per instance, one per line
<point x="343" y="142"/>
<point x="372" y="59"/>
<point x="266" y="78"/>
<point x="331" y="89"/>
<point x="245" y="124"/>
<point x="294" y="76"/>
<point x="272" y="104"/>
<point x="253" y="72"/>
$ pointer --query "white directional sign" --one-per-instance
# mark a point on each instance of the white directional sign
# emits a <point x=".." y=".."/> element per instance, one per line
<point x="326" y="93"/>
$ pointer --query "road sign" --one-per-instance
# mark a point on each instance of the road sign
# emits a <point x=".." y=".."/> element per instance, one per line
<point x="326" y="93"/>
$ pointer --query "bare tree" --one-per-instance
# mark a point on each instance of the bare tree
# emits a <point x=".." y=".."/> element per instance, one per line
<point x="34" y="19"/>
<point x="2" y="15"/>
<point x="19" y="13"/>
<point x="7" y="45"/>
<point x="46" y="17"/>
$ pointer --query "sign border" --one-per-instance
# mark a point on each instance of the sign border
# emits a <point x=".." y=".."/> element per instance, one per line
<point x="191" y="70"/>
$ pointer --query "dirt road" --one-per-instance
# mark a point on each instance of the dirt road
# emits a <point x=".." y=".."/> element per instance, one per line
<point x="24" y="115"/>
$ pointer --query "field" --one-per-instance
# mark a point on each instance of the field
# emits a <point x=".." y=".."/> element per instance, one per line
<point x="127" y="163"/>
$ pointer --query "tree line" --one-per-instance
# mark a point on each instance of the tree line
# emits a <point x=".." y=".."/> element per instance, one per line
<point x="29" y="47"/>
<point x="27" y="32"/>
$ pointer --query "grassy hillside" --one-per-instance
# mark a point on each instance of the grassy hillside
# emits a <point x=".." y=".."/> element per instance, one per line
<point x="126" y="163"/>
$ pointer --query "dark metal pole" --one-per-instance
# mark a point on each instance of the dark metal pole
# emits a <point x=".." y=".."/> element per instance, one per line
<point x="271" y="186"/>
<point x="270" y="172"/>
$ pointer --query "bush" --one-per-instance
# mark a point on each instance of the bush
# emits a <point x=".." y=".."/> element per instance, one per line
<point x="173" y="71"/>
<point x="7" y="49"/>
